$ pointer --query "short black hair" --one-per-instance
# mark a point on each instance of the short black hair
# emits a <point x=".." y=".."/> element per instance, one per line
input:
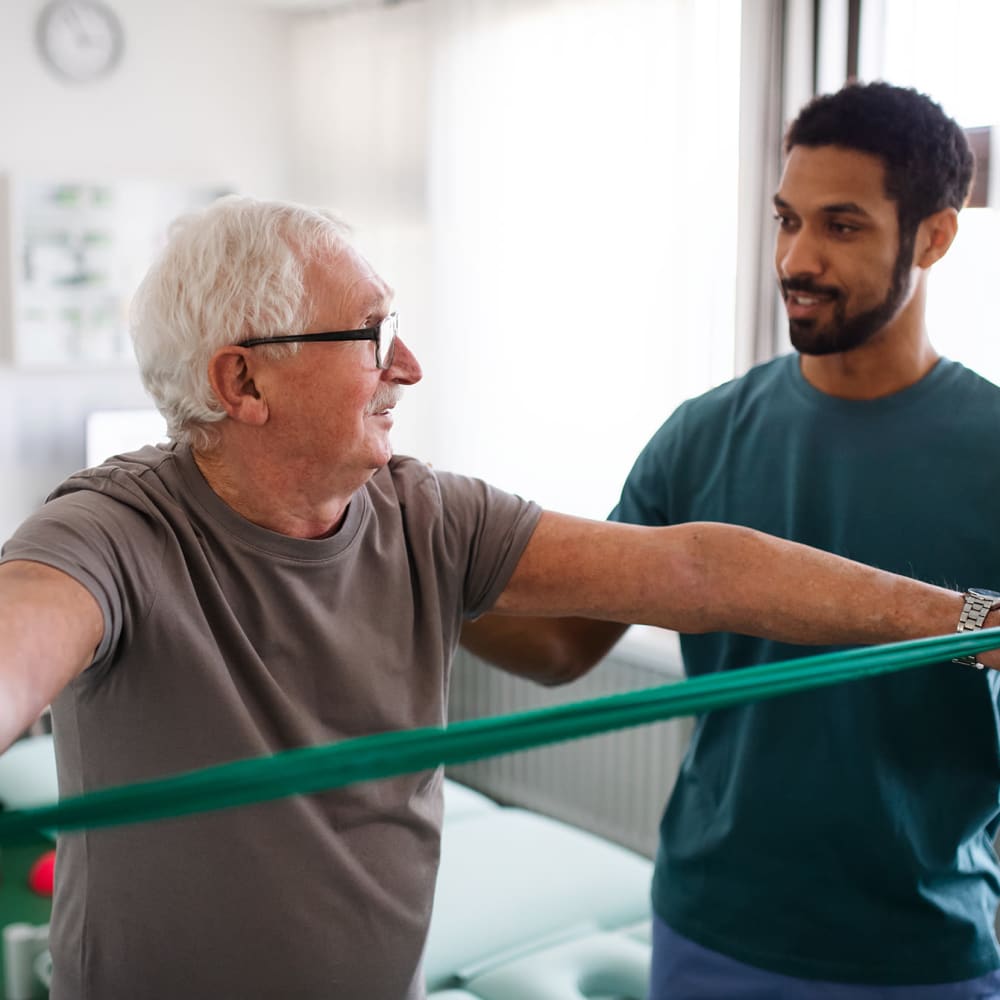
<point x="926" y="155"/>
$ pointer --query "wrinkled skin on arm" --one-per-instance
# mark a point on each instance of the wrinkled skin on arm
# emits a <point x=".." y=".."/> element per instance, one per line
<point x="696" y="577"/>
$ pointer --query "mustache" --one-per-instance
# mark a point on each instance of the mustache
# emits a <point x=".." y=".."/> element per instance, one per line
<point x="385" y="398"/>
<point x="806" y="287"/>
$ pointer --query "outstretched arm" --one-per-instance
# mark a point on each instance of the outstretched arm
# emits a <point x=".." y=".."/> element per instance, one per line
<point x="707" y="577"/>
<point x="50" y="626"/>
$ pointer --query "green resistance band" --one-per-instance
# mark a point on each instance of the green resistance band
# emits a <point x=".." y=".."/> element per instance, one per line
<point x="383" y="755"/>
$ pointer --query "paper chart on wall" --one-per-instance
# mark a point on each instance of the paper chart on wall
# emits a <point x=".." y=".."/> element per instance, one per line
<point x="78" y="251"/>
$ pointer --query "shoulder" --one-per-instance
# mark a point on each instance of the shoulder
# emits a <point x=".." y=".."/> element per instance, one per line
<point x="955" y="375"/>
<point x="705" y="414"/>
<point x="418" y="486"/>
<point x="140" y="480"/>
<point x="459" y="524"/>
<point x="122" y="511"/>
<point x="123" y="500"/>
<point x="404" y="479"/>
<point x="99" y="528"/>
<point x="762" y="379"/>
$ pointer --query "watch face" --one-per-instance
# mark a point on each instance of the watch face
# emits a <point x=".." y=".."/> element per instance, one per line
<point x="79" y="39"/>
<point x="992" y="595"/>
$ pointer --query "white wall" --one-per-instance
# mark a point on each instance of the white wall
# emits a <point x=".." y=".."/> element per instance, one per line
<point x="201" y="96"/>
<point x="359" y="125"/>
<point x="514" y="170"/>
<point x="353" y="110"/>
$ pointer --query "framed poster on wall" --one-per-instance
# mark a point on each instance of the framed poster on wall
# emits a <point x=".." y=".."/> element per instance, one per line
<point x="72" y="254"/>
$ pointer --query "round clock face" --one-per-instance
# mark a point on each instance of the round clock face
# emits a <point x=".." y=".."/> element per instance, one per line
<point x="79" y="40"/>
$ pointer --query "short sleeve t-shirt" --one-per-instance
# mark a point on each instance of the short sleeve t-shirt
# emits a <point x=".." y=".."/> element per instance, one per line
<point x="843" y="833"/>
<point x="224" y="640"/>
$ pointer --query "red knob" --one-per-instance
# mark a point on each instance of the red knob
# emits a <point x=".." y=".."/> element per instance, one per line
<point x="42" y="873"/>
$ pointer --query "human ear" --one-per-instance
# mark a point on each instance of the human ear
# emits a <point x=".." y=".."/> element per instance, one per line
<point x="230" y="373"/>
<point x="934" y="237"/>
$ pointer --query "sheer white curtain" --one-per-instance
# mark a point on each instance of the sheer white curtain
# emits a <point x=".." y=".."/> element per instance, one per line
<point x="583" y="167"/>
<point x="562" y="231"/>
<point x="776" y="78"/>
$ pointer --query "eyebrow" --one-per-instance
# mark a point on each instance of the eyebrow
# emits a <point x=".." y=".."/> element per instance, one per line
<point x="382" y="303"/>
<point x="377" y="313"/>
<point x="378" y="306"/>
<point x="836" y="208"/>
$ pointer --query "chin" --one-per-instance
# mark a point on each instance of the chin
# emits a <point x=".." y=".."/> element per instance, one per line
<point x="381" y="456"/>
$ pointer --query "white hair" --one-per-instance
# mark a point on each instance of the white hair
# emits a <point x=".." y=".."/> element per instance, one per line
<point x="232" y="271"/>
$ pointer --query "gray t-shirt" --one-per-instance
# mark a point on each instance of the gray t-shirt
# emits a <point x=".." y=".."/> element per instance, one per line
<point x="224" y="640"/>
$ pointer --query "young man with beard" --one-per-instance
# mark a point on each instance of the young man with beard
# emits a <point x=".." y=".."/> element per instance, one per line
<point x="276" y="578"/>
<point x="836" y="843"/>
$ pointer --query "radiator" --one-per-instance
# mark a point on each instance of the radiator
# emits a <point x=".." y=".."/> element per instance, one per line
<point x="614" y="785"/>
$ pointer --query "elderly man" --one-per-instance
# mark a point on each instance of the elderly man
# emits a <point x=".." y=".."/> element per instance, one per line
<point x="275" y="578"/>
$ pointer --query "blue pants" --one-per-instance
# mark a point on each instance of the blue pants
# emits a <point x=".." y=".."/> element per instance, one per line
<point x="683" y="970"/>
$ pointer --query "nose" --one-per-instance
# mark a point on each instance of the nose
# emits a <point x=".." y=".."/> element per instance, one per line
<point x="405" y="369"/>
<point x="798" y="253"/>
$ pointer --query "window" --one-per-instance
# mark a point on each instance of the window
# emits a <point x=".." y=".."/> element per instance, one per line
<point x="551" y="185"/>
<point x="949" y="52"/>
<point x="584" y="222"/>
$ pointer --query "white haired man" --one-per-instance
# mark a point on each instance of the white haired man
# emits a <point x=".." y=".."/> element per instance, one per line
<point x="276" y="578"/>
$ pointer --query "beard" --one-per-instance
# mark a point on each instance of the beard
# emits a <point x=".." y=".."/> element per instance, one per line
<point x="843" y="332"/>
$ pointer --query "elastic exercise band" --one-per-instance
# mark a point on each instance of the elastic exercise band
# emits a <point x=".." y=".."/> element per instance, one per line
<point x="383" y="755"/>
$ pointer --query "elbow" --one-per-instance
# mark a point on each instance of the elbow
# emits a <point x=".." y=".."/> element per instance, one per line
<point x="565" y="666"/>
<point x="707" y="556"/>
<point x="551" y="664"/>
<point x="569" y="648"/>
<point x="550" y="652"/>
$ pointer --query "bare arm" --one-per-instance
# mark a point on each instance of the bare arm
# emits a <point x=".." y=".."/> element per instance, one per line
<point x="50" y="626"/>
<point x="547" y="650"/>
<point x="706" y="577"/>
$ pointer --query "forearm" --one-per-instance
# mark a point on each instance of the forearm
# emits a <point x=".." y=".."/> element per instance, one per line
<point x="704" y="577"/>
<point x="756" y="584"/>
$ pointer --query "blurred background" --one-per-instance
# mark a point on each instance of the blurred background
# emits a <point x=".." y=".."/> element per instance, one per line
<point x="571" y="198"/>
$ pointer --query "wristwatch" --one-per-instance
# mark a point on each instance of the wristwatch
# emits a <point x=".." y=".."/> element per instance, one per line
<point x="978" y="604"/>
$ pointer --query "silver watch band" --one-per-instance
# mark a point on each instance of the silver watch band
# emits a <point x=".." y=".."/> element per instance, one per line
<point x="977" y="606"/>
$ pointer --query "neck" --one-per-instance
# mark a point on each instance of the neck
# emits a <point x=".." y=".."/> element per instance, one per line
<point x="898" y="356"/>
<point x="273" y="498"/>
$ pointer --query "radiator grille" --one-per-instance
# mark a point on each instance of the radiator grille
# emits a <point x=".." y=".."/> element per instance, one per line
<point x="614" y="785"/>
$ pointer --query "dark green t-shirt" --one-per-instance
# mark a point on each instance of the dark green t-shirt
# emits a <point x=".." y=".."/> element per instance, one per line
<point x="844" y="833"/>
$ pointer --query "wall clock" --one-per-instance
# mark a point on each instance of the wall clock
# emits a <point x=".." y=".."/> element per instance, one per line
<point x="79" y="40"/>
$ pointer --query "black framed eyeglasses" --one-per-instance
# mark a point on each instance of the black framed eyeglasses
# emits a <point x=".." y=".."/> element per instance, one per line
<point x="384" y="336"/>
